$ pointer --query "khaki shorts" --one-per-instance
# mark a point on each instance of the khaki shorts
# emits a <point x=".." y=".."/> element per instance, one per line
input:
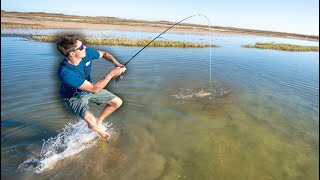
<point x="78" y="104"/>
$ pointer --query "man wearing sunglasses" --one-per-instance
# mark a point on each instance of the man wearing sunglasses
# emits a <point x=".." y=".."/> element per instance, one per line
<point x="77" y="89"/>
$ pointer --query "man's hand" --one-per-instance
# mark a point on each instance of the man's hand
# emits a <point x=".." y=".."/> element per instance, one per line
<point x="123" y="69"/>
<point x="118" y="78"/>
<point x="116" y="72"/>
<point x="118" y="65"/>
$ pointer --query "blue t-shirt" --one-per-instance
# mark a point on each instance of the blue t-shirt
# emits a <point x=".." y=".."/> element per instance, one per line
<point x="72" y="77"/>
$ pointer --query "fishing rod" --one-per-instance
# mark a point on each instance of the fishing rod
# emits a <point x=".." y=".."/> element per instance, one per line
<point x="120" y="77"/>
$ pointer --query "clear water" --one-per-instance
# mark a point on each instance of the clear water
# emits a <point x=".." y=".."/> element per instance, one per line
<point x="267" y="129"/>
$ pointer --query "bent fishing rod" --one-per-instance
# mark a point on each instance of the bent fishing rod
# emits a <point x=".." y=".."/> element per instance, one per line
<point x="120" y="77"/>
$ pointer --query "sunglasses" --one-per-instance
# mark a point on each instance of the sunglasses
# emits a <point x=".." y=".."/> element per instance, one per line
<point x="79" y="48"/>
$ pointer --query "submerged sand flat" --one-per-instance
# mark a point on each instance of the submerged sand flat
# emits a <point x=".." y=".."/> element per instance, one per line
<point x="60" y="21"/>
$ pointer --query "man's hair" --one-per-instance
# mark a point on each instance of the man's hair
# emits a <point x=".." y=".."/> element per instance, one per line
<point x="67" y="43"/>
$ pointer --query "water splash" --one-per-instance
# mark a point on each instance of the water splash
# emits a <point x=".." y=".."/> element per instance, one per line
<point x="74" y="138"/>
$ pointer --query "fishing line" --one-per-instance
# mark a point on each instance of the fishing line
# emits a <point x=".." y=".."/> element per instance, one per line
<point x="210" y="69"/>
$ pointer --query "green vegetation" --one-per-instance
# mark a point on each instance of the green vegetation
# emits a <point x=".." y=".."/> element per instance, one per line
<point x="283" y="47"/>
<point x="129" y="42"/>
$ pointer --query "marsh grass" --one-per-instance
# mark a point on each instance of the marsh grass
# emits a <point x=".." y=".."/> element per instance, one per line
<point x="129" y="42"/>
<point x="283" y="47"/>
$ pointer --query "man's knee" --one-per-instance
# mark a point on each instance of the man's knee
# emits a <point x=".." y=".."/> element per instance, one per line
<point x="116" y="102"/>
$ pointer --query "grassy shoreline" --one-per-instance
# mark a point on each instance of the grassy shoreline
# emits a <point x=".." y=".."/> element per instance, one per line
<point x="41" y="20"/>
<point x="129" y="42"/>
<point x="161" y="43"/>
<point x="283" y="47"/>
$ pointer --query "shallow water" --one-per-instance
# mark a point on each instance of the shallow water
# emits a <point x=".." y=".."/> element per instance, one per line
<point x="267" y="129"/>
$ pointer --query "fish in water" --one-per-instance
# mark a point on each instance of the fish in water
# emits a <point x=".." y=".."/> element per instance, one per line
<point x="211" y="93"/>
<point x="202" y="94"/>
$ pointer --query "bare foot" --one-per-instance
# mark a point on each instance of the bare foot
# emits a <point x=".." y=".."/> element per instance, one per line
<point x="105" y="135"/>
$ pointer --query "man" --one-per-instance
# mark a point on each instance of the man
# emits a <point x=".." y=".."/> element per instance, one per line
<point x="77" y="88"/>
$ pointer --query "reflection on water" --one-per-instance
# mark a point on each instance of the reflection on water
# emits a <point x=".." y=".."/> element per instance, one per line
<point x="220" y="39"/>
<point x="268" y="128"/>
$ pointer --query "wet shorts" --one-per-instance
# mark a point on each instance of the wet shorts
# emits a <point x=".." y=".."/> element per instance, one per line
<point x="78" y="104"/>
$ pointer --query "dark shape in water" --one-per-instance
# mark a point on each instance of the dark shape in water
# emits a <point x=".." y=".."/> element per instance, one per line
<point x="184" y="94"/>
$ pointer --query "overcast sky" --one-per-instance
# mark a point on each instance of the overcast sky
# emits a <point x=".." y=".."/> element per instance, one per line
<point x="293" y="16"/>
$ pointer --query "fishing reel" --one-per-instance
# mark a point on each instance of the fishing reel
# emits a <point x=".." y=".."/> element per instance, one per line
<point x="118" y="78"/>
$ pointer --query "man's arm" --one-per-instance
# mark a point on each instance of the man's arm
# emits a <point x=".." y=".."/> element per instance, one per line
<point x="94" y="88"/>
<point x="110" y="58"/>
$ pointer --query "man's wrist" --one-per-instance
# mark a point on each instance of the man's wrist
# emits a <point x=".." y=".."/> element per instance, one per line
<point x="109" y="76"/>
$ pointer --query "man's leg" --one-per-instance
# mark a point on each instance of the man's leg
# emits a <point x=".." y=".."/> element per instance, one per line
<point x="92" y="124"/>
<point x="79" y="105"/>
<point x="111" y="106"/>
